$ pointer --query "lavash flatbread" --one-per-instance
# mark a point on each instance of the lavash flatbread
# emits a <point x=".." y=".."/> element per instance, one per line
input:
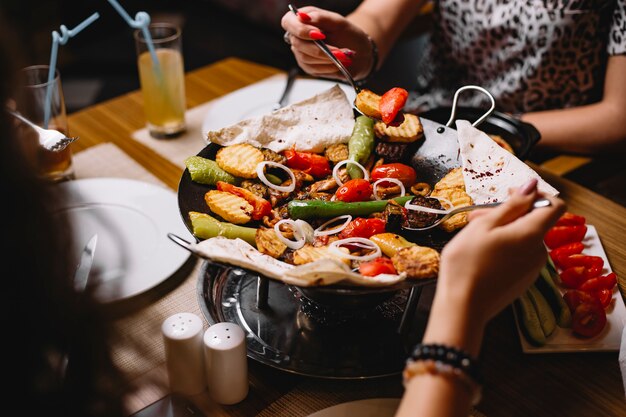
<point x="322" y="272"/>
<point x="489" y="171"/>
<point x="310" y="125"/>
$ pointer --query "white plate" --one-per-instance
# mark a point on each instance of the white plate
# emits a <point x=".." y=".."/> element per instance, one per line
<point x="563" y="340"/>
<point x="375" y="407"/>
<point x="258" y="98"/>
<point x="132" y="219"/>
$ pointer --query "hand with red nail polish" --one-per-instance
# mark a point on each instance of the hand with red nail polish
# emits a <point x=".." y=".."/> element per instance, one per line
<point x="316" y="35"/>
<point x="352" y="44"/>
<point x="304" y="17"/>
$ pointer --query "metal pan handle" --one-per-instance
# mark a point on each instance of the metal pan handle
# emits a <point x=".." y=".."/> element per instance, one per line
<point x="456" y="99"/>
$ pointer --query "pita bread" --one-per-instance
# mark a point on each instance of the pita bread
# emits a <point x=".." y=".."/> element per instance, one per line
<point x="489" y="171"/>
<point x="321" y="272"/>
<point x="310" y="125"/>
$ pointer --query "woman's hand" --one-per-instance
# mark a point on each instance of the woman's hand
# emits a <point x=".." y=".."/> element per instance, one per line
<point x="347" y="42"/>
<point x="488" y="265"/>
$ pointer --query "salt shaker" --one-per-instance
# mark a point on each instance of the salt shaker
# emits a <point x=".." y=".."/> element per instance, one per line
<point x="182" y="337"/>
<point x="226" y="363"/>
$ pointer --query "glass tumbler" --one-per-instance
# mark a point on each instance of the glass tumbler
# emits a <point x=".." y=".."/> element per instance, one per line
<point x="162" y="83"/>
<point x="30" y="103"/>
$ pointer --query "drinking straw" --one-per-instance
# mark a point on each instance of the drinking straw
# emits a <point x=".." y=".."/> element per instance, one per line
<point x="61" y="39"/>
<point x="142" y="20"/>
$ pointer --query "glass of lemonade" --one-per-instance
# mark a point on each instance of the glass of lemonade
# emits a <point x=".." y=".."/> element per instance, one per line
<point x="30" y="102"/>
<point x="162" y="86"/>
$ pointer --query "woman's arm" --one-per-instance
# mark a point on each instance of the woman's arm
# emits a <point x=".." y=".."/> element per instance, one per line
<point x="477" y="279"/>
<point x="592" y="129"/>
<point x="384" y="21"/>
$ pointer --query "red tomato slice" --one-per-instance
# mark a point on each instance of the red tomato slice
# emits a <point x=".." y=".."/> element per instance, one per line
<point x="391" y="103"/>
<point x="581" y="260"/>
<point x="605" y="296"/>
<point x="604" y="282"/>
<point x="260" y="206"/>
<point x="573" y="277"/>
<point x="561" y="235"/>
<point x="565" y="250"/>
<point x="354" y="190"/>
<point x="588" y="319"/>
<point x="362" y="227"/>
<point x="402" y="172"/>
<point x="311" y="163"/>
<point x="377" y="266"/>
<point x="570" y="219"/>
<point x="573" y="298"/>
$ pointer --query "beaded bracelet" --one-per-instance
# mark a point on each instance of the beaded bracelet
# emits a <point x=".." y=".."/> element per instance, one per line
<point x="448" y="362"/>
<point x="374" y="66"/>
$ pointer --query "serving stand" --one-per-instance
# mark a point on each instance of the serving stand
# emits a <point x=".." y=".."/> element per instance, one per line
<point x="289" y="331"/>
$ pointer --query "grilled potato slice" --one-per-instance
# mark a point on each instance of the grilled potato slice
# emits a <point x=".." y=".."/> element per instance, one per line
<point x="453" y="179"/>
<point x="417" y="261"/>
<point x="367" y="101"/>
<point x="310" y="253"/>
<point x="408" y="131"/>
<point x="240" y="160"/>
<point x="229" y="207"/>
<point x="459" y="198"/>
<point x="268" y="243"/>
<point x="337" y="152"/>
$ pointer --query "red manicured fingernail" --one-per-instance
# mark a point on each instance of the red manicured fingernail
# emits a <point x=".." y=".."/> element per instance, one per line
<point x="340" y="55"/>
<point x="346" y="62"/>
<point x="304" y="17"/>
<point x="529" y="187"/>
<point x="349" y="53"/>
<point x="316" y="35"/>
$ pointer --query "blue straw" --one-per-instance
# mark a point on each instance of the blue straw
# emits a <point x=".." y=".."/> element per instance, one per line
<point x="142" y="20"/>
<point x="57" y="40"/>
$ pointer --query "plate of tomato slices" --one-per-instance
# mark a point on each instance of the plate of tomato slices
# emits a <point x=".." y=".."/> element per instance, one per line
<point x="588" y="286"/>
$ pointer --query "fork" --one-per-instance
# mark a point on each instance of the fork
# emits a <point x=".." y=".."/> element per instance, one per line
<point x="542" y="202"/>
<point x="51" y="139"/>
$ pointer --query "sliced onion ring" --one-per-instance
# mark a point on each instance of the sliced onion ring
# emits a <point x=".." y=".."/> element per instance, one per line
<point x="361" y="242"/>
<point x="366" y="174"/>
<point x="393" y="180"/>
<point x="416" y="207"/>
<point x="321" y="232"/>
<point x="297" y="232"/>
<point x="307" y="230"/>
<point x="286" y="189"/>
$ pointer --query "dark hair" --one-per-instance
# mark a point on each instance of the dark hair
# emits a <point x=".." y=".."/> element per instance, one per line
<point x="43" y="318"/>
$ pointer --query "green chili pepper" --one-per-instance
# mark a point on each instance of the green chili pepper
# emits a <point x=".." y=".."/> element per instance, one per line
<point x="360" y="145"/>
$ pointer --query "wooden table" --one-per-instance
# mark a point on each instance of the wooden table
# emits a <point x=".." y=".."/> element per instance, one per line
<point x="516" y="384"/>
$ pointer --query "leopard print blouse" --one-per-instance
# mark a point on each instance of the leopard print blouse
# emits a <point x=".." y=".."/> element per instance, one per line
<point x="530" y="54"/>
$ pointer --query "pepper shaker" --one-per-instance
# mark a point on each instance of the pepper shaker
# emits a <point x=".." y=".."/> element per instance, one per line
<point x="182" y="338"/>
<point x="226" y="363"/>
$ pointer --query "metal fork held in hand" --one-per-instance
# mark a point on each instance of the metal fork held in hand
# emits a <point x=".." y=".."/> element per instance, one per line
<point x="332" y="57"/>
<point x="542" y="202"/>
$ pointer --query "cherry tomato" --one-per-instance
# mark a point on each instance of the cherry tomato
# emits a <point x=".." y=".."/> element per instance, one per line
<point x="362" y="227"/>
<point x="260" y="206"/>
<point x="565" y="250"/>
<point x="402" y="172"/>
<point x="354" y="190"/>
<point x="561" y="235"/>
<point x="391" y="103"/>
<point x="603" y="282"/>
<point x="377" y="266"/>
<point x="581" y="260"/>
<point x="570" y="219"/>
<point x="588" y="319"/>
<point x="311" y="163"/>
<point x="605" y="296"/>
<point x="573" y="298"/>
<point x="575" y="276"/>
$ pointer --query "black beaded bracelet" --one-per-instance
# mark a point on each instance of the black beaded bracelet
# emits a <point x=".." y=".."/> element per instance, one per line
<point x="448" y="355"/>
<point x="374" y="66"/>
